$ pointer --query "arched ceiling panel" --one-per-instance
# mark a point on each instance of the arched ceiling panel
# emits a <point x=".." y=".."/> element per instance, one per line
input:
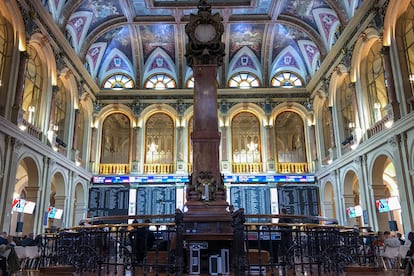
<point x="157" y="35"/>
<point x="271" y="29"/>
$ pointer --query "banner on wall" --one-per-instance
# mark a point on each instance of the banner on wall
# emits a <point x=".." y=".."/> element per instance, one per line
<point x="354" y="211"/>
<point x="54" y="213"/>
<point x="23" y="206"/>
<point x="388" y="204"/>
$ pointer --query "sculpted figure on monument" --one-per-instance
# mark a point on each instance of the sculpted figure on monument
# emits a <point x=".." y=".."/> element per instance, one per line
<point x="206" y="185"/>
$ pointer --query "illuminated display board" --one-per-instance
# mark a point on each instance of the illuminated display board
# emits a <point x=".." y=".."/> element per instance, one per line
<point x="289" y="178"/>
<point x="306" y="178"/>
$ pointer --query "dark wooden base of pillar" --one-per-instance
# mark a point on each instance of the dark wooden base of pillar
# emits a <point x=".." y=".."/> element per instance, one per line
<point x="208" y="220"/>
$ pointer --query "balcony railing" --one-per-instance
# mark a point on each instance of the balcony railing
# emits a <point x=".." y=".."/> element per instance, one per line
<point x="292" y="167"/>
<point x="32" y="130"/>
<point x="378" y="126"/>
<point x="159" y="168"/>
<point x="247" y="167"/>
<point x="169" y="168"/>
<point x="114" y="168"/>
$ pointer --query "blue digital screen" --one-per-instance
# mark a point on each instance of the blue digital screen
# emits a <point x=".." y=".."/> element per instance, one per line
<point x="296" y="178"/>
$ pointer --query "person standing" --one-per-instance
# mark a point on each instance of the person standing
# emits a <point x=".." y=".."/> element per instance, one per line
<point x="399" y="237"/>
<point x="142" y="239"/>
<point x="285" y="235"/>
<point x="408" y="264"/>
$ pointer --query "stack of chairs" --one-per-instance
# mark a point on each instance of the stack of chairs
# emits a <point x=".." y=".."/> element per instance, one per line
<point x="392" y="257"/>
<point x="29" y="257"/>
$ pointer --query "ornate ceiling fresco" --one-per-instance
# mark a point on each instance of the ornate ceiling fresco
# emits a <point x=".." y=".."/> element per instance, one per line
<point x="137" y="38"/>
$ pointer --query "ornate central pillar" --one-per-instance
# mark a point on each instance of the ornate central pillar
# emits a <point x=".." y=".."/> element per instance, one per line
<point x="206" y="196"/>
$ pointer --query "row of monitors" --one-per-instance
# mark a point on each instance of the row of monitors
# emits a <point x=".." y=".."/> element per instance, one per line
<point x="383" y="205"/>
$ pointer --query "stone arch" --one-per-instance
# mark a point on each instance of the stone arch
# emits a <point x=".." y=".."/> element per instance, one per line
<point x="351" y="194"/>
<point x="241" y="107"/>
<point x="328" y="197"/>
<point x="27" y="187"/>
<point x="155" y="108"/>
<point x="394" y="10"/>
<point x="384" y="185"/>
<point x="11" y="11"/>
<point x="361" y="49"/>
<point x="57" y="197"/>
<point x="44" y="48"/>
<point x="79" y="203"/>
<point x="160" y="148"/>
<point x="303" y="155"/>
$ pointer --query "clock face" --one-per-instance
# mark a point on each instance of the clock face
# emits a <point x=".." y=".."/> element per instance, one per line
<point x="205" y="33"/>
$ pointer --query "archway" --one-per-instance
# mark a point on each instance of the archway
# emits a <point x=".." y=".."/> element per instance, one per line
<point x="79" y="204"/>
<point x="329" y="205"/>
<point x="385" y="188"/>
<point x="352" y="197"/>
<point x="57" y="198"/>
<point x="26" y="188"/>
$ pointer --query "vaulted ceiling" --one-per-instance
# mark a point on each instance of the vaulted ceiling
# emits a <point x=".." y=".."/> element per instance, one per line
<point x="138" y="38"/>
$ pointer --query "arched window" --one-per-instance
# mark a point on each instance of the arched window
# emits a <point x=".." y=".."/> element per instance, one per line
<point x="377" y="92"/>
<point x="60" y="111"/>
<point x="160" y="82"/>
<point x="286" y="80"/>
<point x="245" y="129"/>
<point x="408" y="40"/>
<point x="119" y="82"/>
<point x="190" y="83"/>
<point x="159" y="144"/>
<point x="290" y="143"/>
<point x="33" y="85"/>
<point x="347" y="114"/>
<point x="116" y="134"/>
<point x="244" y="81"/>
<point x="5" y="29"/>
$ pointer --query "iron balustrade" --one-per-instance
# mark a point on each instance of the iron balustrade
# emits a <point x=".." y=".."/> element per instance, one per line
<point x="262" y="247"/>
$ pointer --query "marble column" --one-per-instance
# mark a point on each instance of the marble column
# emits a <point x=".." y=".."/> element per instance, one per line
<point x="29" y="219"/>
<point x="17" y="112"/>
<point x="205" y="136"/>
<point x="270" y="148"/>
<point x="93" y="150"/>
<point x="390" y="83"/>
<point x="137" y="145"/>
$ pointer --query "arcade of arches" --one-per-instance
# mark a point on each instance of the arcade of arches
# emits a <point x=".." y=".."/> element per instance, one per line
<point x="349" y="122"/>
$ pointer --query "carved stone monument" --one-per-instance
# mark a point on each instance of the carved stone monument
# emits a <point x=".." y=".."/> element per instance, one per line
<point x="207" y="209"/>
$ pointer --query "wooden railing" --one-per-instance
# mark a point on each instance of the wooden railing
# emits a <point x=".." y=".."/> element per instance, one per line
<point x="247" y="167"/>
<point x="292" y="167"/>
<point x="159" y="168"/>
<point x="114" y="168"/>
